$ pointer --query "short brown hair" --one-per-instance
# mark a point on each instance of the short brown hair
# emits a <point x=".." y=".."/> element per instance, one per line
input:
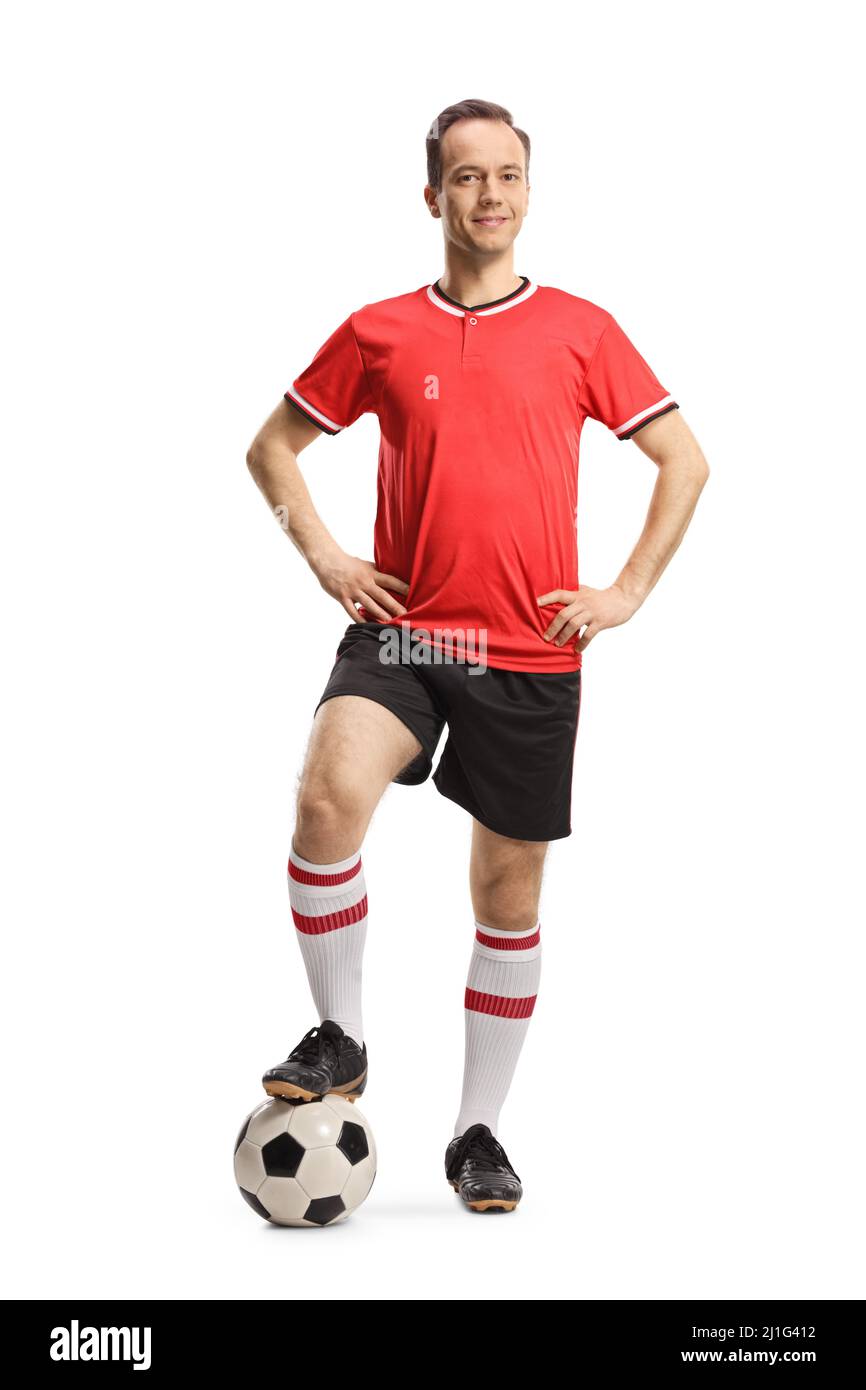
<point x="462" y="111"/>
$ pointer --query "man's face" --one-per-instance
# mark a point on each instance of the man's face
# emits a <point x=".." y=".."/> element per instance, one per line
<point x="484" y="196"/>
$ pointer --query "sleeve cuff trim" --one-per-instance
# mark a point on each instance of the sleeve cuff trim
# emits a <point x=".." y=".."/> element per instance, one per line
<point x="643" y="417"/>
<point x="306" y="408"/>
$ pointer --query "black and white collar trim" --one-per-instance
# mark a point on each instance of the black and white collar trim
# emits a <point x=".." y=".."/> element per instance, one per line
<point x="495" y="306"/>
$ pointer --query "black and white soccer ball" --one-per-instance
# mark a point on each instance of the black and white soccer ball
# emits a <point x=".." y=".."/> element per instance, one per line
<point x="305" y="1163"/>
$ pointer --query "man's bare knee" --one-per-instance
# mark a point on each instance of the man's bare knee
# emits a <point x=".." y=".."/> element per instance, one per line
<point x="335" y="816"/>
<point x="506" y="912"/>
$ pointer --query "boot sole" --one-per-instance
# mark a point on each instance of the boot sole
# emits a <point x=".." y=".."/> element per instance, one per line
<point x="486" y="1204"/>
<point x="350" y="1090"/>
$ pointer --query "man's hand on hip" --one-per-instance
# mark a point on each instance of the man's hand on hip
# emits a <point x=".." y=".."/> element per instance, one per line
<point x="351" y="580"/>
<point x="590" y="609"/>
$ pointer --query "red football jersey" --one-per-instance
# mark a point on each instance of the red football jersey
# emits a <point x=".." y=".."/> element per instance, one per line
<point x="480" y="411"/>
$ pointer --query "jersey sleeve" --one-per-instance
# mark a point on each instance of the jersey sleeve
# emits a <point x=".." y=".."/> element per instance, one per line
<point x="620" y="389"/>
<point x="333" y="391"/>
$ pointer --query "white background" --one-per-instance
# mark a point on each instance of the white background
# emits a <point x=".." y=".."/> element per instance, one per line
<point x="199" y="194"/>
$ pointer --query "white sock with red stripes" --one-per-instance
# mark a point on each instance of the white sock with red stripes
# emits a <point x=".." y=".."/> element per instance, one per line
<point x="329" y="909"/>
<point x="504" y="973"/>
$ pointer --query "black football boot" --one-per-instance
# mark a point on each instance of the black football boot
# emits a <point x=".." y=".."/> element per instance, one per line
<point x="325" y="1062"/>
<point x="477" y="1167"/>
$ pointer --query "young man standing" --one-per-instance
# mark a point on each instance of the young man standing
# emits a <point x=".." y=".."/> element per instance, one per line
<point x="470" y="615"/>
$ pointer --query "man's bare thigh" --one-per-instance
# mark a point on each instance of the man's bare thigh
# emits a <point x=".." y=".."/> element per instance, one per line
<point x="356" y="747"/>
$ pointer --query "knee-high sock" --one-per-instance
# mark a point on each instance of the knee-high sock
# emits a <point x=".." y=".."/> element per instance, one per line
<point x="329" y="909"/>
<point x="504" y="973"/>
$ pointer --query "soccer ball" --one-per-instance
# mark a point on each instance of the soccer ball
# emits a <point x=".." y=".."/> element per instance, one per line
<point x="305" y="1163"/>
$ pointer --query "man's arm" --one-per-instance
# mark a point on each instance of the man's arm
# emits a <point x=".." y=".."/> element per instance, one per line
<point x="683" y="471"/>
<point x="272" y="459"/>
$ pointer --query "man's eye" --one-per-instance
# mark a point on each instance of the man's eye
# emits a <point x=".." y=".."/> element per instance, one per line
<point x="472" y="176"/>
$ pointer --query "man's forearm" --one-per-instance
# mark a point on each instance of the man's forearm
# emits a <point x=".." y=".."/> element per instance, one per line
<point x="678" y="486"/>
<point x="281" y="482"/>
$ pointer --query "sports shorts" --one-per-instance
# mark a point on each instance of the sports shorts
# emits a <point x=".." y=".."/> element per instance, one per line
<point x="509" y="756"/>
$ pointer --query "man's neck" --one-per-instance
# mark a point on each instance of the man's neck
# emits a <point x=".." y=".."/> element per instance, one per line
<point x="472" y="284"/>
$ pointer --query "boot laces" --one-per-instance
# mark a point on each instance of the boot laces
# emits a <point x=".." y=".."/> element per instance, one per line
<point x="480" y="1142"/>
<point x="313" y="1045"/>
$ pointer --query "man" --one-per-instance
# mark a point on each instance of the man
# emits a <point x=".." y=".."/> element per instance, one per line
<point x="470" y="615"/>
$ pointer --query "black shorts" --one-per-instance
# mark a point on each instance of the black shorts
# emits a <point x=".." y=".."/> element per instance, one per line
<point x="509" y="756"/>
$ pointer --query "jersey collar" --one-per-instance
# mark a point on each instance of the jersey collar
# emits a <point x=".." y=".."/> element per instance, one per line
<point x="494" y="306"/>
